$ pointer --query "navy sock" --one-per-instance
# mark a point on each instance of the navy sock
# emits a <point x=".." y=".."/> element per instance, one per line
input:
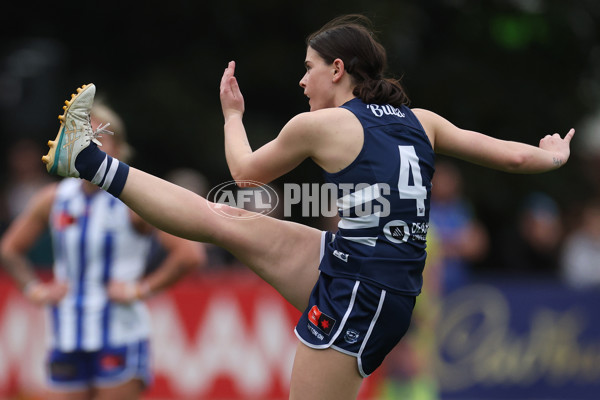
<point x="101" y="169"/>
<point x="89" y="160"/>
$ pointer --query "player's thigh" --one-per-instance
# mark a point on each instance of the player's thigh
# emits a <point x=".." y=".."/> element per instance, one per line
<point x="283" y="253"/>
<point x="130" y="390"/>
<point x="325" y="374"/>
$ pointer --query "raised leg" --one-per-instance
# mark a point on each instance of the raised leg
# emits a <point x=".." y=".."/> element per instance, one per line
<point x="285" y="254"/>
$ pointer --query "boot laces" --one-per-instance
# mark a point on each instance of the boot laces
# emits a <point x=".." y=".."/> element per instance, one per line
<point x="98" y="132"/>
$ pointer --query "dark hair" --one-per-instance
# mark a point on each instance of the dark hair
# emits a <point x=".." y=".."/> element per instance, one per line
<point x="350" y="39"/>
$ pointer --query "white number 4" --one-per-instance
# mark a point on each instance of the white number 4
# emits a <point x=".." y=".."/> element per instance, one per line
<point x="409" y="162"/>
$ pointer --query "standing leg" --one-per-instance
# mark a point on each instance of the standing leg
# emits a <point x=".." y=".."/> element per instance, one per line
<point x="324" y="375"/>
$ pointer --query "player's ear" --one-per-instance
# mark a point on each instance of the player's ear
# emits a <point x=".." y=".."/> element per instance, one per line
<point x="338" y="69"/>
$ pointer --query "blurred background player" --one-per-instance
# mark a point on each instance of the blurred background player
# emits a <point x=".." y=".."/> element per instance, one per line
<point x="462" y="237"/>
<point x="580" y="254"/>
<point x="99" y="326"/>
<point x="531" y="247"/>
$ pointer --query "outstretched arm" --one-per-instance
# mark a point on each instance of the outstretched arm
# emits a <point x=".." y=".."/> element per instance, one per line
<point x="508" y="156"/>
<point x="272" y="160"/>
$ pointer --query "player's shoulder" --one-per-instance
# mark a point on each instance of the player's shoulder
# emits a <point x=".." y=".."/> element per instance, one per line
<point x="318" y="123"/>
<point x="429" y="117"/>
<point x="323" y="115"/>
<point x="424" y="115"/>
<point x="431" y="122"/>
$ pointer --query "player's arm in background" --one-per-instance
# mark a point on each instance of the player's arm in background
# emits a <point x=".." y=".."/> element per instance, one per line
<point x="20" y="236"/>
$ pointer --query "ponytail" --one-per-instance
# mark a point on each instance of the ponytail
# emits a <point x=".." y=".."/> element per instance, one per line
<point x="381" y="91"/>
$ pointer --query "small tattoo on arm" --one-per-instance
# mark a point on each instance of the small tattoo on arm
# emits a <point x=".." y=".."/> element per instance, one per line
<point x="557" y="161"/>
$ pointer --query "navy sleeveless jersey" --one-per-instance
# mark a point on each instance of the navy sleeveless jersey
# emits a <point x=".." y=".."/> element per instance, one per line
<point x="383" y="202"/>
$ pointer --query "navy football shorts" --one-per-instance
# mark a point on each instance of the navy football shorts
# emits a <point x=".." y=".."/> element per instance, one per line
<point x="104" y="368"/>
<point x="356" y="318"/>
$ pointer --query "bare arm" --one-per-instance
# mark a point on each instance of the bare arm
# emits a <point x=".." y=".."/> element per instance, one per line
<point x="293" y="145"/>
<point x="508" y="156"/>
<point x="19" y="238"/>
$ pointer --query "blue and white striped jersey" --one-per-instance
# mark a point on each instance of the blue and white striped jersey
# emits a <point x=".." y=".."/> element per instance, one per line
<point x="94" y="242"/>
<point x="383" y="202"/>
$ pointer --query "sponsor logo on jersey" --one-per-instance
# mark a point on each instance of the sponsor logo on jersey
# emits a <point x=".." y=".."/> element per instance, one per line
<point x="63" y="220"/>
<point x="419" y="231"/>
<point x="400" y="232"/>
<point x="340" y="255"/>
<point x="322" y="321"/>
<point x="397" y="231"/>
<point x="386" y="109"/>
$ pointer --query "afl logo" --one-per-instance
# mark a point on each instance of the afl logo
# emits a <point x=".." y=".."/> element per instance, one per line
<point x="249" y="195"/>
<point x="397" y="231"/>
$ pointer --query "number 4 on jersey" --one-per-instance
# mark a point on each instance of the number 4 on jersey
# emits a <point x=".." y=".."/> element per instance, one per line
<point x="409" y="165"/>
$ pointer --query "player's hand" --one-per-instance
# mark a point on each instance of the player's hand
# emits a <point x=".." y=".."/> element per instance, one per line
<point x="232" y="101"/>
<point x="559" y="146"/>
<point x="127" y="292"/>
<point x="41" y="293"/>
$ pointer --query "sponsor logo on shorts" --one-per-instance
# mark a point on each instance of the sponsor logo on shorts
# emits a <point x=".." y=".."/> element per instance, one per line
<point x="351" y="336"/>
<point x="322" y="321"/>
<point x="312" y="330"/>
<point x="110" y="361"/>
<point x="63" y="370"/>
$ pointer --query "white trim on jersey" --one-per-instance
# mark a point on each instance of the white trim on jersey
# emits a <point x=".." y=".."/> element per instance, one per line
<point x="362" y="222"/>
<point x="366" y="240"/>
<point x="323" y="244"/>
<point x="355" y="199"/>
<point x="359" y="197"/>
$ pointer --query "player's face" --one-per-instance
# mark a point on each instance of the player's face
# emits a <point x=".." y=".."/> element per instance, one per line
<point x="317" y="82"/>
